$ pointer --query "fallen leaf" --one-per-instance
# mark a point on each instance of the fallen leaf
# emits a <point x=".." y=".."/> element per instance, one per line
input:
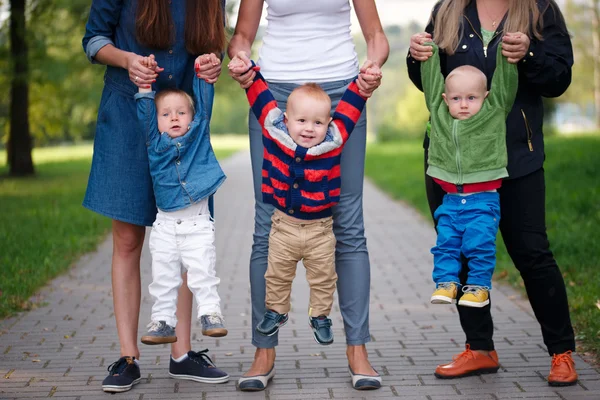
<point x="502" y="275"/>
<point x="36" y="360"/>
<point x="67" y="336"/>
<point x="228" y="354"/>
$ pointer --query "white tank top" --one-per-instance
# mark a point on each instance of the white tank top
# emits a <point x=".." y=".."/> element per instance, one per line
<point x="308" y="40"/>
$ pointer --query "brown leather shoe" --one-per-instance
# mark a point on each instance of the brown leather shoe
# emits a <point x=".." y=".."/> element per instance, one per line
<point x="562" y="371"/>
<point x="468" y="363"/>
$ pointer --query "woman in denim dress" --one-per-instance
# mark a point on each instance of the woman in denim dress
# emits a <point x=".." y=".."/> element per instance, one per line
<point x="310" y="41"/>
<point x="118" y="34"/>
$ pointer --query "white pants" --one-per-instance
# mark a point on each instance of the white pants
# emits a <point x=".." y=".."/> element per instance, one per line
<point x="179" y="242"/>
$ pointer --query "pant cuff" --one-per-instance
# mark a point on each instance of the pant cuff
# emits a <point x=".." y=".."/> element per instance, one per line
<point x="171" y="321"/>
<point x="208" y="309"/>
<point x="358" y="342"/>
<point x="561" y="348"/>
<point x="484" y="345"/>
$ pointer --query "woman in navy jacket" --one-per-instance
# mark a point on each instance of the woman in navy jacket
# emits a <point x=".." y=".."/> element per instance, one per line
<point x="544" y="56"/>
<point x="118" y="34"/>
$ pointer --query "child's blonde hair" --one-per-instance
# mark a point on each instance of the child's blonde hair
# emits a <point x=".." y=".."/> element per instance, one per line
<point x="165" y="92"/>
<point x="469" y="70"/>
<point x="311" y="90"/>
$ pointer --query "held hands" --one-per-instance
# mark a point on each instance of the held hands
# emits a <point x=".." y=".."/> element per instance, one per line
<point x="417" y="50"/>
<point x="143" y="71"/>
<point x="369" y="78"/>
<point x="239" y="70"/>
<point x="515" y="46"/>
<point x="208" y="67"/>
<point x="151" y="64"/>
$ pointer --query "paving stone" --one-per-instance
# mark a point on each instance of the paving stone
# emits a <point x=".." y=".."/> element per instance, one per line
<point x="63" y="348"/>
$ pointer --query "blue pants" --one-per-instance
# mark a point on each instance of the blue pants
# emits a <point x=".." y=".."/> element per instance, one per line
<point x="467" y="225"/>
<point x="351" y="256"/>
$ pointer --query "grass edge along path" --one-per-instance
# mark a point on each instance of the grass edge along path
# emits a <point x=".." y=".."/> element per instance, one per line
<point x="44" y="228"/>
<point x="572" y="217"/>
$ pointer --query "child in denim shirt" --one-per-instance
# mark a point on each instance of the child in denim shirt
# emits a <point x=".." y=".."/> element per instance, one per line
<point x="185" y="172"/>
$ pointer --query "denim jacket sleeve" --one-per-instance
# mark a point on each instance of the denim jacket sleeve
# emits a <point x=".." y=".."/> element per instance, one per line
<point x="146" y="112"/>
<point x="547" y="64"/>
<point x="100" y="28"/>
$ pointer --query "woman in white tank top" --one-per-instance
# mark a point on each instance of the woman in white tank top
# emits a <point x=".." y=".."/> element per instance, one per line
<point x="310" y="41"/>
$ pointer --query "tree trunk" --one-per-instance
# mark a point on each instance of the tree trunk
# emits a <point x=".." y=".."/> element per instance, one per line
<point x="19" y="139"/>
<point x="596" y="56"/>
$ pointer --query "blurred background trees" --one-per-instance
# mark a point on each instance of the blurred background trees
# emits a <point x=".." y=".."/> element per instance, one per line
<point x="64" y="88"/>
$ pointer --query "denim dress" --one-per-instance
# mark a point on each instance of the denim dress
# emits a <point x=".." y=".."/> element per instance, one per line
<point x="120" y="186"/>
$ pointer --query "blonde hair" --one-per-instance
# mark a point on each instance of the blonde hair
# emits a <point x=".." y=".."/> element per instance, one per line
<point x="523" y="16"/>
<point x="165" y="92"/>
<point x="311" y="90"/>
<point x="470" y="71"/>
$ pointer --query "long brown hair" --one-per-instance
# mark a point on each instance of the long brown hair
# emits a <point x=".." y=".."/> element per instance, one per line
<point x="523" y="16"/>
<point x="204" y="28"/>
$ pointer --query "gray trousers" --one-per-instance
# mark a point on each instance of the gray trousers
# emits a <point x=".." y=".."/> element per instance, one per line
<point x="351" y="255"/>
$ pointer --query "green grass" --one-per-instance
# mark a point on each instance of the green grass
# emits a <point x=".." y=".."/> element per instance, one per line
<point x="43" y="227"/>
<point x="573" y="216"/>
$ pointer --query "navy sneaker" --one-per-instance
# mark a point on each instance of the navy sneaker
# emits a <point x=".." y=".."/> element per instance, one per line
<point x="197" y="367"/>
<point x="123" y="374"/>
<point x="159" y="332"/>
<point x="321" y="327"/>
<point x="271" y="323"/>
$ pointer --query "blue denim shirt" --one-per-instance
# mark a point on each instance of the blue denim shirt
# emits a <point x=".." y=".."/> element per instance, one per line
<point x="113" y="22"/>
<point x="184" y="169"/>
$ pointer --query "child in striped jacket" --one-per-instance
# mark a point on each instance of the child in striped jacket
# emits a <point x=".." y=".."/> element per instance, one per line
<point x="301" y="178"/>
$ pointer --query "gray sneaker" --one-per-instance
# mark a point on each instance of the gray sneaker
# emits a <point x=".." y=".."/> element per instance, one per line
<point x="213" y="325"/>
<point x="159" y="332"/>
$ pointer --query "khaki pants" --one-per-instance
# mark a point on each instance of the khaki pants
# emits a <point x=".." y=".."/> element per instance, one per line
<point x="311" y="241"/>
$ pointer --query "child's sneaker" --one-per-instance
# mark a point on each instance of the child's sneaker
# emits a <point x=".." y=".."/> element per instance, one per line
<point x="271" y="323"/>
<point x="213" y="325"/>
<point x="159" y="332"/>
<point x="475" y="296"/>
<point x="445" y="293"/>
<point x="321" y="327"/>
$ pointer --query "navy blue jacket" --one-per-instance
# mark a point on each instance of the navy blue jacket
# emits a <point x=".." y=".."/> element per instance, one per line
<point x="545" y="71"/>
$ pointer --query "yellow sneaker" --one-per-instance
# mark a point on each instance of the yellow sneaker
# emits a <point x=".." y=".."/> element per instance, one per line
<point x="475" y="296"/>
<point x="445" y="293"/>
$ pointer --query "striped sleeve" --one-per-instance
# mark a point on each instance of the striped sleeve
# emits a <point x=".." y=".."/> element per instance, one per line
<point x="348" y="110"/>
<point x="260" y="98"/>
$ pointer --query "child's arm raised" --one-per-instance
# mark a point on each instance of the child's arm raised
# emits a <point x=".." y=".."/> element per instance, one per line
<point x="348" y="110"/>
<point x="505" y="82"/>
<point x="432" y="79"/>
<point x="260" y="97"/>
<point x="146" y="109"/>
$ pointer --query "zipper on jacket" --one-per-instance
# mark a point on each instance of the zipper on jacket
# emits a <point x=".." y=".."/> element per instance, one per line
<point x="457" y="154"/>
<point x="479" y="36"/>
<point x="528" y="131"/>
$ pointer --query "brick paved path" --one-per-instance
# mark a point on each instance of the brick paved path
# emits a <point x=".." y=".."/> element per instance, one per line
<point x="63" y="348"/>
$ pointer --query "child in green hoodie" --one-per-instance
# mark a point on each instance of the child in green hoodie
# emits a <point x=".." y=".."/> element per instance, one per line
<point x="467" y="158"/>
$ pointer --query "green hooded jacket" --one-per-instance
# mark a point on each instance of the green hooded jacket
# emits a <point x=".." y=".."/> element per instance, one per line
<point x="471" y="150"/>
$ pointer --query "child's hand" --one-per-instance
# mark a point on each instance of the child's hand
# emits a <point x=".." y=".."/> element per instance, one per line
<point x="208" y="67"/>
<point x="150" y="63"/>
<point x="369" y="78"/>
<point x="240" y="70"/>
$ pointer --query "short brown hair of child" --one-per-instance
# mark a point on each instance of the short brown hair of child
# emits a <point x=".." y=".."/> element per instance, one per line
<point x="312" y="90"/>
<point x="178" y="92"/>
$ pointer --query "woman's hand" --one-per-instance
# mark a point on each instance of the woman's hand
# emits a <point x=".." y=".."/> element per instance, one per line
<point x="417" y="50"/>
<point x="239" y="70"/>
<point x="142" y="72"/>
<point x="208" y="67"/>
<point x="369" y="78"/>
<point x="515" y="46"/>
